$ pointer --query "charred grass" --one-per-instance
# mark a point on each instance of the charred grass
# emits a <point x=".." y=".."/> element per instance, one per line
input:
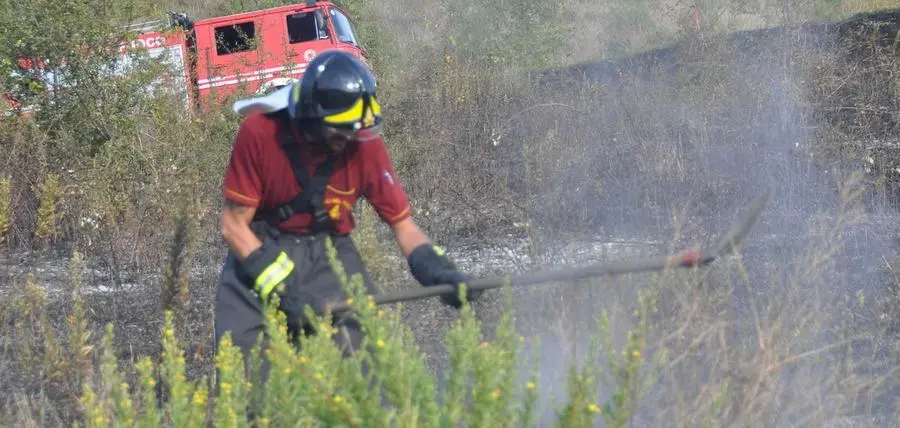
<point x="797" y="330"/>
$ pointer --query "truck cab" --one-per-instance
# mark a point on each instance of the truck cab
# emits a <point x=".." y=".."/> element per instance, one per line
<point x="213" y="60"/>
<point x="260" y="51"/>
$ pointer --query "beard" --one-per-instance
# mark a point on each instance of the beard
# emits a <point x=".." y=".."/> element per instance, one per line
<point x="337" y="144"/>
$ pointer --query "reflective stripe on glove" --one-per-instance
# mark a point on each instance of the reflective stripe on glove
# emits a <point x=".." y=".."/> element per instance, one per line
<point x="267" y="268"/>
<point x="430" y="266"/>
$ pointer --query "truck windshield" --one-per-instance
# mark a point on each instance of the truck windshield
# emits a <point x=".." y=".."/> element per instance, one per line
<point x="342" y="27"/>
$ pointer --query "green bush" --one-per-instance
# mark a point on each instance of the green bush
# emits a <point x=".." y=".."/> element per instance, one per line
<point x="312" y="384"/>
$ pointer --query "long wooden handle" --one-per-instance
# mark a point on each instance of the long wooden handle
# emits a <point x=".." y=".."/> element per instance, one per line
<point x="726" y="243"/>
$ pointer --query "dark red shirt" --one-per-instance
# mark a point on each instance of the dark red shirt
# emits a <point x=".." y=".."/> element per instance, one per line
<point x="259" y="175"/>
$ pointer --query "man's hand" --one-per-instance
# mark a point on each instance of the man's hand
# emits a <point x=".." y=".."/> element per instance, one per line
<point x="261" y="268"/>
<point x="266" y="268"/>
<point x="430" y="266"/>
<point x="428" y="263"/>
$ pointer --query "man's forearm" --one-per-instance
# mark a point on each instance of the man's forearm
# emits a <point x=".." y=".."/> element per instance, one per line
<point x="243" y="242"/>
<point x="236" y="231"/>
<point x="408" y="236"/>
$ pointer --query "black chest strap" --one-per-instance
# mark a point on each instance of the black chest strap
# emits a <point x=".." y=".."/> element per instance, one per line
<point x="311" y="198"/>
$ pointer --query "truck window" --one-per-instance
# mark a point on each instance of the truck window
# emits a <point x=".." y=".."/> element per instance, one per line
<point x="235" y="38"/>
<point x="304" y="27"/>
<point x="342" y="27"/>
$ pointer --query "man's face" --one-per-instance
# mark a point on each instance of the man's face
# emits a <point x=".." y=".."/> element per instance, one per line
<point x="337" y="139"/>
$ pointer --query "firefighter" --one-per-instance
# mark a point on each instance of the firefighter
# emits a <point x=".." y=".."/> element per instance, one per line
<point x="301" y="158"/>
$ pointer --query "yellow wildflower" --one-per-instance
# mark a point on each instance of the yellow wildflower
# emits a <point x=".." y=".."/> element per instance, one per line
<point x="593" y="408"/>
<point x="199" y="398"/>
<point x="379" y="343"/>
<point x="530" y="385"/>
<point x="495" y="394"/>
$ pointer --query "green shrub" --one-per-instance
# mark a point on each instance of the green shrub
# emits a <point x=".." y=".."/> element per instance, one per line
<point x="315" y="385"/>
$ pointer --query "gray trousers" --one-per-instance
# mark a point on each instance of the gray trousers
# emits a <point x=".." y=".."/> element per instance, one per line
<point x="313" y="282"/>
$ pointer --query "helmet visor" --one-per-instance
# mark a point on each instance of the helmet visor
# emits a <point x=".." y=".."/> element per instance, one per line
<point x="364" y="113"/>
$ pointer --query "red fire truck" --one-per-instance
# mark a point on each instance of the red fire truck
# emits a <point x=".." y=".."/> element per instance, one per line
<point x="214" y="59"/>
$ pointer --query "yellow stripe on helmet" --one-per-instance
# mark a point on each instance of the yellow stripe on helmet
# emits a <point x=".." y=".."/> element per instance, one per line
<point x="295" y="94"/>
<point x="355" y="113"/>
<point x="352" y="114"/>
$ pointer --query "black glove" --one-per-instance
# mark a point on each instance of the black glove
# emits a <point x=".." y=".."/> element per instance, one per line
<point x="430" y="266"/>
<point x="265" y="269"/>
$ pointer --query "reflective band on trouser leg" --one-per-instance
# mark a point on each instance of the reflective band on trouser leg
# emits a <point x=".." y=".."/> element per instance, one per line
<point x="274" y="274"/>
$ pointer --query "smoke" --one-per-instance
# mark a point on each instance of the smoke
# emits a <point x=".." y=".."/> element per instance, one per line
<point x="687" y="136"/>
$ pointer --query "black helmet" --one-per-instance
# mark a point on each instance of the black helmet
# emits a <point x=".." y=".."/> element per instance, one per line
<point x="336" y="90"/>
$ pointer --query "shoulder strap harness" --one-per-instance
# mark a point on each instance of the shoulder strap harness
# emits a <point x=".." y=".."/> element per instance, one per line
<point x="311" y="198"/>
